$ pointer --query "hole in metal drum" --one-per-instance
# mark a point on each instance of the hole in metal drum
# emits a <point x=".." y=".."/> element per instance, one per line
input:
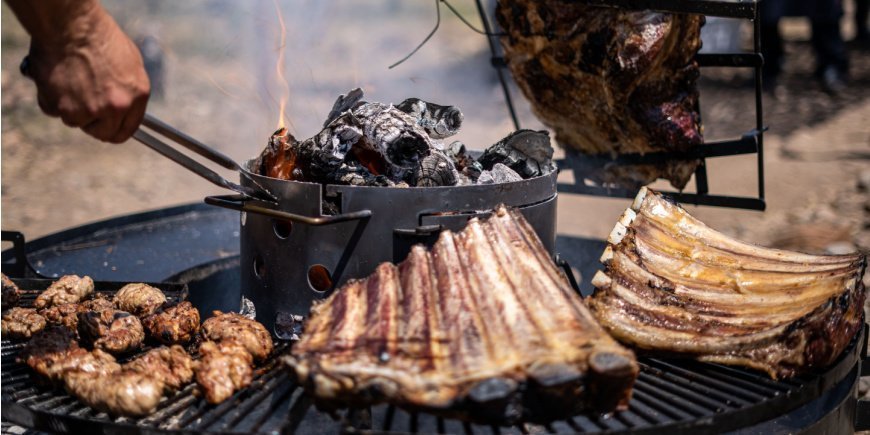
<point x="282" y="228"/>
<point x="259" y="267"/>
<point x="319" y="278"/>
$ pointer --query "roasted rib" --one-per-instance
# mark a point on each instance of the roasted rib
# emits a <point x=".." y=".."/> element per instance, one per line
<point x="479" y="324"/>
<point x="609" y="81"/>
<point x="674" y="286"/>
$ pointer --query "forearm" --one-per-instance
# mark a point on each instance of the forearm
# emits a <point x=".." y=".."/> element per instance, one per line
<point x="58" y="23"/>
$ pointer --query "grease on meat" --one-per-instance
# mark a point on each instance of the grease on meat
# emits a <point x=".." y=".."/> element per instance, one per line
<point x="139" y="299"/>
<point x="176" y="324"/>
<point x="20" y="323"/>
<point x="171" y="364"/>
<point x="249" y="333"/>
<point x="67" y="289"/>
<point x="224" y="368"/>
<point x="116" y="332"/>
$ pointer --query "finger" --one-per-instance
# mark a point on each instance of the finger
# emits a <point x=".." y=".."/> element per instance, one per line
<point x="104" y="128"/>
<point x="76" y="118"/>
<point x="132" y="120"/>
<point x="46" y="105"/>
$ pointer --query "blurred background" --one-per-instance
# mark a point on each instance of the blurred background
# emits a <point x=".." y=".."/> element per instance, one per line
<point x="216" y="67"/>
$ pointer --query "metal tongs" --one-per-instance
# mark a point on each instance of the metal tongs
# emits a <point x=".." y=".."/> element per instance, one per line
<point x="202" y="149"/>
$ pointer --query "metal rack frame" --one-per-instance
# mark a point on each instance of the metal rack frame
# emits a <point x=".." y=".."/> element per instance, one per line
<point x="750" y="142"/>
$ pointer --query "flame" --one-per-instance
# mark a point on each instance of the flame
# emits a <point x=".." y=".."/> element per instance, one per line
<point x="279" y="67"/>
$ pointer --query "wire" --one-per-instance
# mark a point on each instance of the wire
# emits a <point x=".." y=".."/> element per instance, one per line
<point x="437" y="25"/>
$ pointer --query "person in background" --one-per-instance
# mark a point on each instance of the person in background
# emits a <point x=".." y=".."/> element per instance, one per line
<point x="87" y="71"/>
<point x="832" y="61"/>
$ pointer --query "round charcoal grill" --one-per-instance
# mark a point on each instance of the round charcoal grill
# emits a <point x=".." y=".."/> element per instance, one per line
<point x="196" y="245"/>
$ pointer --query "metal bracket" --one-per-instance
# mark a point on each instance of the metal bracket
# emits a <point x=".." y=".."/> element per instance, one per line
<point x="21" y="268"/>
<point x="241" y="203"/>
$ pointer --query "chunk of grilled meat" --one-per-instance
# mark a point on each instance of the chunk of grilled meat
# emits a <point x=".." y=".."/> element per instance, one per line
<point x="478" y="325"/>
<point x="124" y="392"/>
<point x="68" y="314"/>
<point x="116" y="332"/>
<point x="224" y="368"/>
<point x="246" y="332"/>
<point x="67" y="289"/>
<point x="176" y="324"/>
<point x="10" y="294"/>
<point x="170" y="364"/>
<point x="20" y="323"/>
<point x="674" y="286"/>
<point x="609" y="81"/>
<point x="54" y="352"/>
<point x="140" y="300"/>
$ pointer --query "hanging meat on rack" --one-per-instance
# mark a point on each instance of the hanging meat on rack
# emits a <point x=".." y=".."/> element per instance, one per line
<point x="609" y="82"/>
<point x="483" y="326"/>
<point x="673" y="286"/>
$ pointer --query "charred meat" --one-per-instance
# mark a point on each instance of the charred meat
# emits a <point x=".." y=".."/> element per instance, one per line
<point x="479" y="324"/>
<point x="67" y="289"/>
<point x="609" y="81"/>
<point x="224" y="368"/>
<point x="68" y="314"/>
<point x="140" y="300"/>
<point x="21" y="323"/>
<point x="176" y="324"/>
<point x="248" y="333"/>
<point x="674" y="286"/>
<point x="11" y="294"/>
<point x="51" y="351"/>
<point x="116" y="332"/>
<point x="170" y="364"/>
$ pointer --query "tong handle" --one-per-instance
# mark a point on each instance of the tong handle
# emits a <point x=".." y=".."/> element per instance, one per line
<point x="190" y="143"/>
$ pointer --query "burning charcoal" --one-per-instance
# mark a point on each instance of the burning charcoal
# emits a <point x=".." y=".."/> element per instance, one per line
<point x="438" y="121"/>
<point x="354" y="174"/>
<point x="525" y="151"/>
<point x="278" y="160"/>
<point x="343" y="104"/>
<point x="465" y="164"/>
<point x="499" y="174"/>
<point x="436" y="169"/>
<point x="395" y="137"/>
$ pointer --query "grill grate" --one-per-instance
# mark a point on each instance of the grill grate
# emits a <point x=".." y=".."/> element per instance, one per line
<point x="670" y="395"/>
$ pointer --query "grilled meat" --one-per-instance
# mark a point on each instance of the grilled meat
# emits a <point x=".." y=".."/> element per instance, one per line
<point x="50" y="351"/>
<point x="140" y="300"/>
<point x="176" y="324"/>
<point x="11" y="294"/>
<point x="224" y="368"/>
<point x="123" y="392"/>
<point x="170" y="364"/>
<point x="20" y="323"/>
<point x="68" y="314"/>
<point x="67" y="289"/>
<point x="479" y="324"/>
<point x="674" y="286"/>
<point x="116" y="332"/>
<point x="609" y="81"/>
<point x="246" y="332"/>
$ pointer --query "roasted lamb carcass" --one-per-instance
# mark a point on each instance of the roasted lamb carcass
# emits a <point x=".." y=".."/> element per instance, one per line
<point x="138" y="299"/>
<point x="249" y="333"/>
<point x="116" y="332"/>
<point x="609" y="81"/>
<point x="223" y="368"/>
<point x="176" y="324"/>
<point x="479" y="324"/>
<point x="11" y="294"/>
<point x="67" y="289"/>
<point x="674" y="286"/>
<point x="21" y="323"/>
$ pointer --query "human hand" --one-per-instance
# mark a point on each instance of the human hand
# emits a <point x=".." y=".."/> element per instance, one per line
<point x="91" y="75"/>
